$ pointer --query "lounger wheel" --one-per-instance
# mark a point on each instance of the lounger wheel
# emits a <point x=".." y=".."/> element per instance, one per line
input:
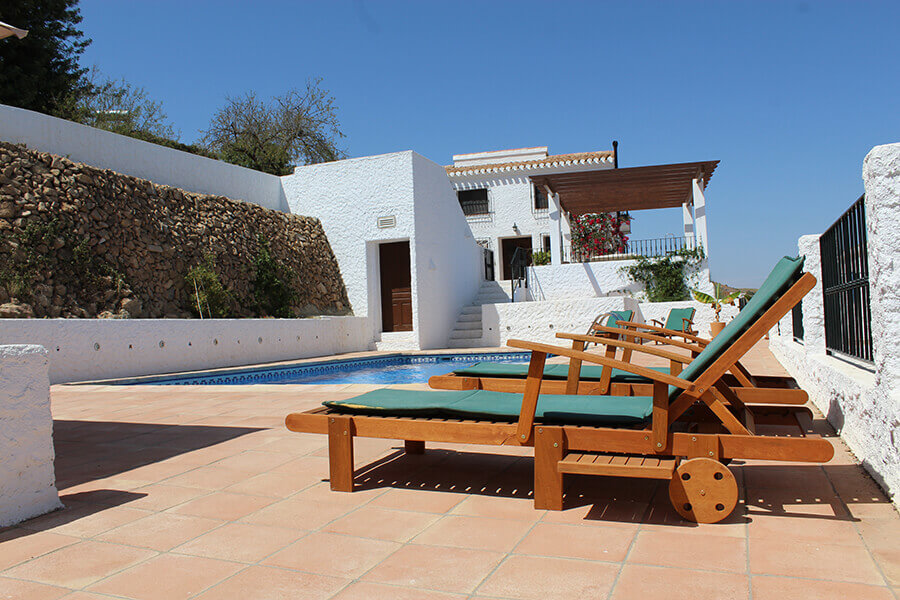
<point x="703" y="490"/>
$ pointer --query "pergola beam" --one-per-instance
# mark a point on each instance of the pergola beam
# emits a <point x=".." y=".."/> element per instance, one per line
<point x="635" y="188"/>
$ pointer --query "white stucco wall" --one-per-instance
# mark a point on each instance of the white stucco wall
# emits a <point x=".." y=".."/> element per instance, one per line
<point x="166" y="166"/>
<point x="449" y="264"/>
<point x="863" y="403"/>
<point x="27" y="480"/>
<point x="87" y="349"/>
<point x="541" y="321"/>
<point x="349" y="196"/>
<point x="511" y="202"/>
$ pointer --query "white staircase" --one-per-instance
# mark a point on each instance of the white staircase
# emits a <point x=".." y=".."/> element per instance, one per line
<point x="492" y="292"/>
<point x="467" y="332"/>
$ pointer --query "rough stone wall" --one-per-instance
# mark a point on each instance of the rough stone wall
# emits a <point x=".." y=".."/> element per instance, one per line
<point x="27" y="479"/>
<point x="863" y="404"/>
<point x="76" y="241"/>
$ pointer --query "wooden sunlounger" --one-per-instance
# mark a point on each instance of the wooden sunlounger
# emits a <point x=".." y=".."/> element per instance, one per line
<point x="749" y="388"/>
<point x="684" y="432"/>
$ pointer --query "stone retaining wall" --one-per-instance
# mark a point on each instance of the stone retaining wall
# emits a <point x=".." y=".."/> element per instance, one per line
<point x="77" y="241"/>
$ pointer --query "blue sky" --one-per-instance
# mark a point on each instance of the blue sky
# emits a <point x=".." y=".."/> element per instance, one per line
<point x="790" y="96"/>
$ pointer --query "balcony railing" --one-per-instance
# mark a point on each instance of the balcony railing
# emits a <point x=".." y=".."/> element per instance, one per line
<point x="845" y="285"/>
<point x="650" y="248"/>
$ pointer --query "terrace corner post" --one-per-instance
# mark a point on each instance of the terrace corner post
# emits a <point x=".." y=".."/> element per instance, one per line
<point x="687" y="213"/>
<point x="556" y="216"/>
<point x="812" y="306"/>
<point x="700" y="215"/>
<point x="881" y="175"/>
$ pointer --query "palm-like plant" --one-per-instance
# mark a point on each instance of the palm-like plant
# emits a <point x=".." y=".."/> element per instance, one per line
<point x="718" y="300"/>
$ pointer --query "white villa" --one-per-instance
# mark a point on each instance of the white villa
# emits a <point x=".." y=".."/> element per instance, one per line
<point x="506" y="209"/>
<point x="422" y="247"/>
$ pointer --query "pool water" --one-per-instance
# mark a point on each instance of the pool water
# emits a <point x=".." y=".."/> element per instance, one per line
<point x="381" y="370"/>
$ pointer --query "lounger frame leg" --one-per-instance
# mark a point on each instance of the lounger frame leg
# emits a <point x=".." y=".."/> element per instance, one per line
<point x="414" y="447"/>
<point x="340" y="453"/>
<point x="549" y="449"/>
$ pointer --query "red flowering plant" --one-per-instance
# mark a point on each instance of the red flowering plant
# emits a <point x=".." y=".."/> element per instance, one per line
<point x="598" y="234"/>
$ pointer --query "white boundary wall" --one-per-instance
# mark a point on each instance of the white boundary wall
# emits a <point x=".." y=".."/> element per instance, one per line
<point x="862" y="404"/>
<point x="123" y="154"/>
<point x="541" y="321"/>
<point x="88" y="349"/>
<point x="27" y="480"/>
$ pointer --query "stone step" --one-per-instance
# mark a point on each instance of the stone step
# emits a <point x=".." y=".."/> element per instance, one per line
<point x="493" y="296"/>
<point x="465" y="334"/>
<point x="470" y="317"/>
<point x="467" y="325"/>
<point x="472" y="310"/>
<point x="465" y="343"/>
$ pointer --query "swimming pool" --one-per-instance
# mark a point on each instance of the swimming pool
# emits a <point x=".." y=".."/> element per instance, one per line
<point x="407" y="368"/>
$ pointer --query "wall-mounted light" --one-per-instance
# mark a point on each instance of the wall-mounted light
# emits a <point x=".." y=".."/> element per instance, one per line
<point x="515" y="228"/>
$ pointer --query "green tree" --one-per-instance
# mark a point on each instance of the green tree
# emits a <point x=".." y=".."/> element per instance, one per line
<point x="41" y="71"/>
<point x="119" y="107"/>
<point x="300" y="127"/>
<point x="272" y="284"/>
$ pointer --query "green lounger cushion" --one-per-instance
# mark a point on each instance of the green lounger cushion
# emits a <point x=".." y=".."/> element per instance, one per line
<point x="618" y="315"/>
<point x="588" y="372"/>
<point x="676" y="318"/>
<point x="481" y="405"/>
<point x="783" y="276"/>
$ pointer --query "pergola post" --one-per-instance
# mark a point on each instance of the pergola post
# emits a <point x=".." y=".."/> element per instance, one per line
<point x="555" y="227"/>
<point x="687" y="213"/>
<point x="700" y="215"/>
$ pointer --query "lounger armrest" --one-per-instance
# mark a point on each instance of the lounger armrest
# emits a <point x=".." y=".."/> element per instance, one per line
<point x="603" y="360"/>
<point x="651" y="337"/>
<point x="679" y="358"/>
<point x="702" y="342"/>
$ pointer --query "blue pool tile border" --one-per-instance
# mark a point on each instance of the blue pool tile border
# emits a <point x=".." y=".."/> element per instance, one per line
<point x="273" y="374"/>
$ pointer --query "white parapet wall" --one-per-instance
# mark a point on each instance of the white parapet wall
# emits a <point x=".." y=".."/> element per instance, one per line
<point x="598" y="278"/>
<point x="130" y="156"/>
<point x="541" y="321"/>
<point x="91" y="349"/>
<point x="27" y="480"/>
<point x="588" y="279"/>
<point x="862" y="401"/>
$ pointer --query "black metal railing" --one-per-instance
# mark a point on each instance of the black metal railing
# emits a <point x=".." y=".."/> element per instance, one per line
<point x="797" y="318"/>
<point x="845" y="285"/>
<point x="518" y="267"/>
<point x="651" y="248"/>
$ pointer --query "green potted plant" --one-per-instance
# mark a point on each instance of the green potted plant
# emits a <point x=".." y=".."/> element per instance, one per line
<point x="716" y="302"/>
<point x="540" y="258"/>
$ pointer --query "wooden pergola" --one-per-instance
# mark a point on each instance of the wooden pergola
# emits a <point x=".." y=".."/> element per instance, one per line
<point x="635" y="188"/>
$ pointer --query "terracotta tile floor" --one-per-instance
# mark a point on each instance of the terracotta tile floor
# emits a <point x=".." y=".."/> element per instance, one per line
<point x="200" y="492"/>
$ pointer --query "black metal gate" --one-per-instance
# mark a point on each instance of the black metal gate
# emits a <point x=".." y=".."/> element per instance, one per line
<point x="797" y="318"/>
<point x="488" y="264"/>
<point x="845" y="284"/>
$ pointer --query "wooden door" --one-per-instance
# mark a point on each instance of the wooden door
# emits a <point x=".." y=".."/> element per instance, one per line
<point x="508" y="248"/>
<point x="396" y="287"/>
